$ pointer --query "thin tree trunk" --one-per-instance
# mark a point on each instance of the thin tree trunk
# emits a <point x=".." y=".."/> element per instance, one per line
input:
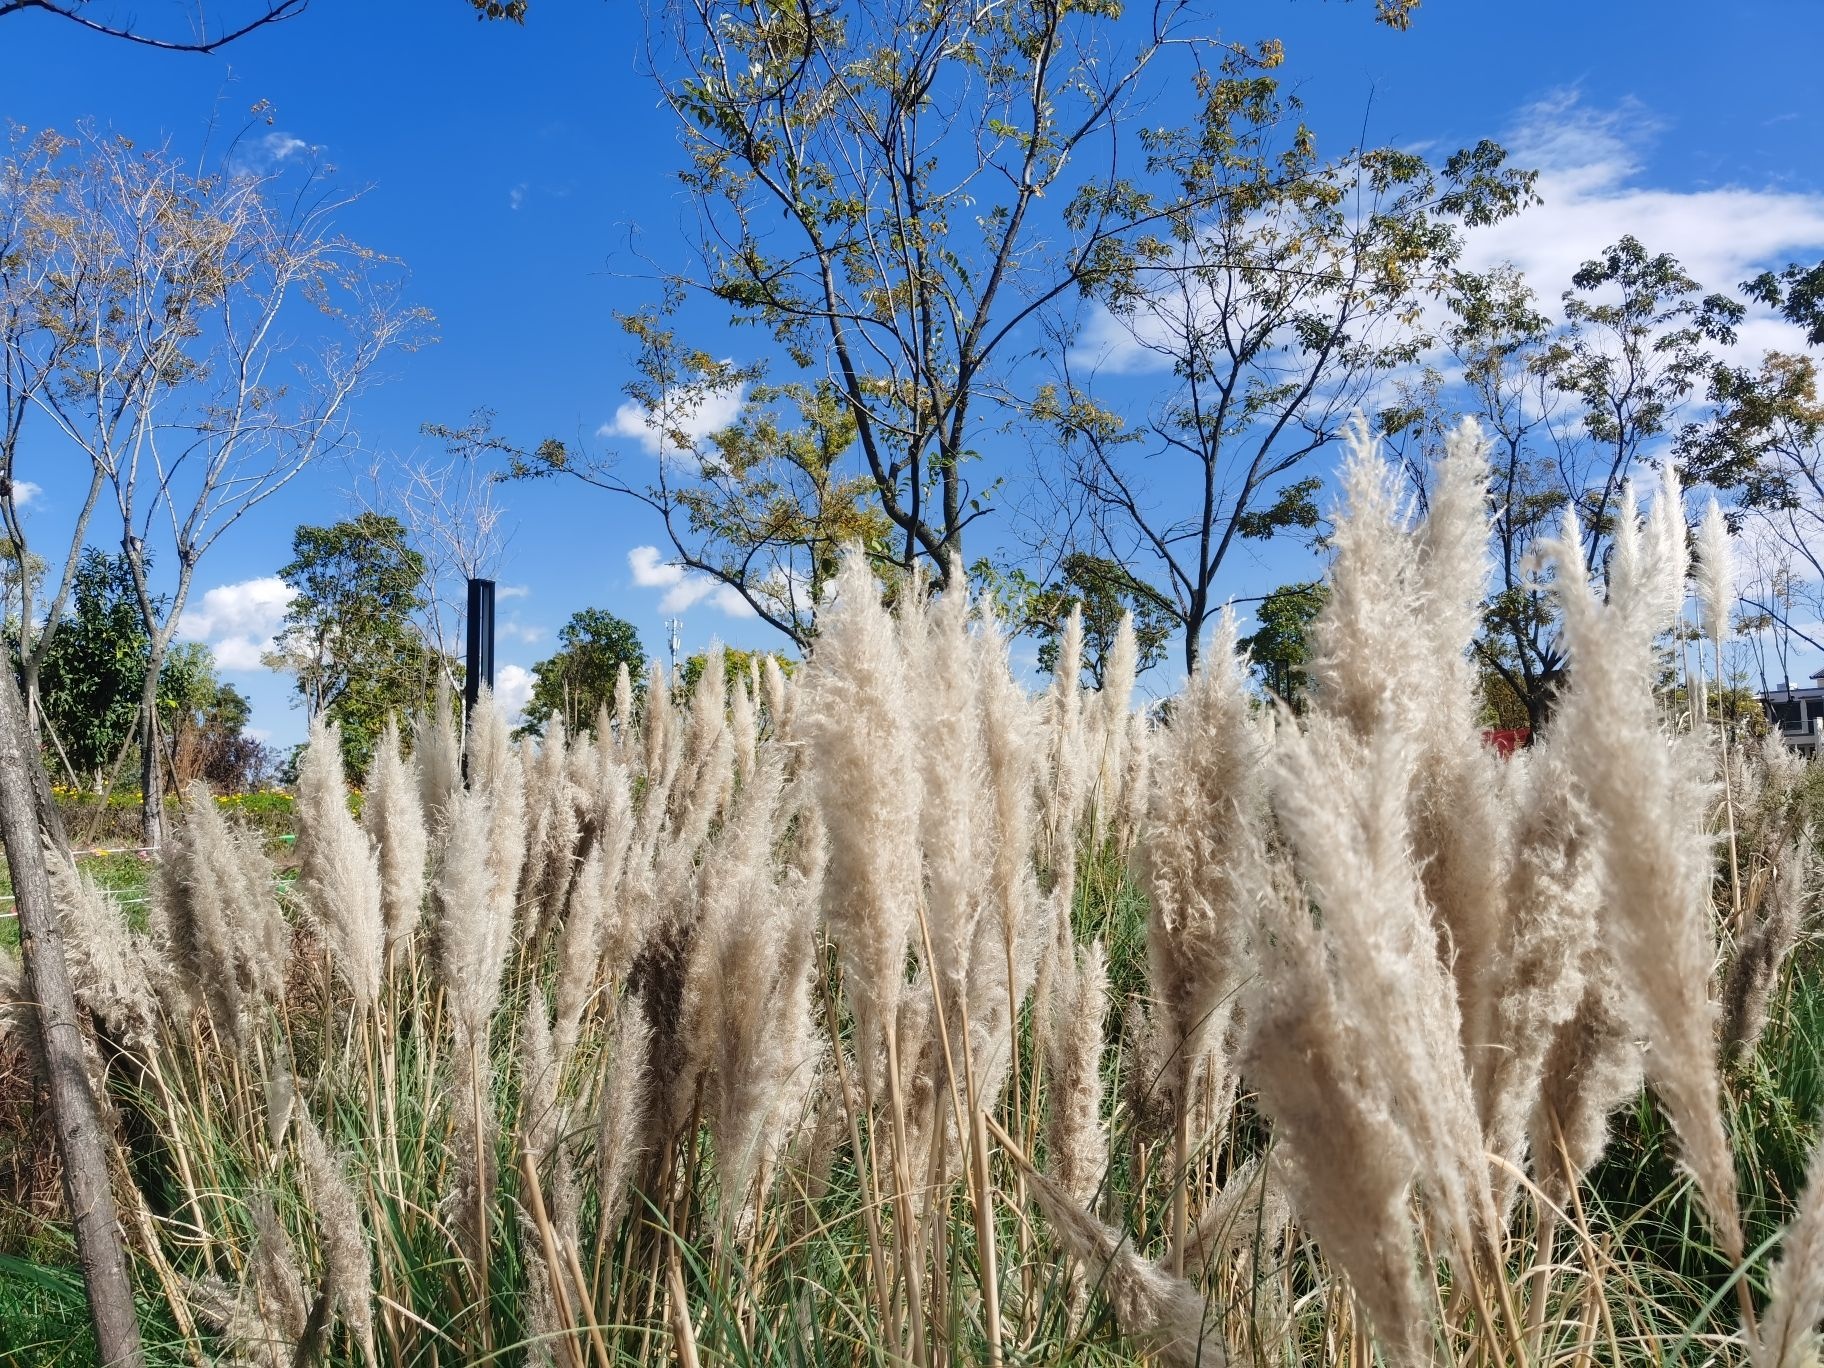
<point x="151" y="767"/>
<point x="25" y="813"/>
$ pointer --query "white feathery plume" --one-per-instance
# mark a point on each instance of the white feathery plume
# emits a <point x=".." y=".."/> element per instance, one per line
<point x="1460" y="827"/>
<point x="438" y="751"/>
<point x="1076" y="1143"/>
<point x="1164" y="1313"/>
<point x="1067" y="779"/>
<point x="954" y="773"/>
<point x="1347" y="1162"/>
<point x="1012" y="741"/>
<point x="110" y="964"/>
<point x="475" y="922"/>
<point x="1536" y="972"/>
<point x="578" y="955"/>
<point x="856" y="723"/>
<point x="778" y="696"/>
<point x="1369" y="623"/>
<point x="1788" y="1336"/>
<point x="657" y="723"/>
<point x="744" y="725"/>
<point x="1340" y="803"/>
<point x="622" y="1106"/>
<point x="1715" y="573"/>
<point x="1648" y="805"/>
<point x="1205" y="802"/>
<point x="1110" y="733"/>
<point x="495" y="772"/>
<point x="623" y="709"/>
<point x="750" y="992"/>
<point x="393" y="817"/>
<point x="350" y="1267"/>
<point x="215" y="917"/>
<point x="338" y="872"/>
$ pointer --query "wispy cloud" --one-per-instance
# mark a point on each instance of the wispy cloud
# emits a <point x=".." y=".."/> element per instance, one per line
<point x="283" y="146"/>
<point x="512" y="591"/>
<point x="516" y="196"/>
<point x="238" y="621"/>
<point x="1593" y="182"/>
<point x="1596" y="187"/>
<point x="683" y="588"/>
<point x="515" y="630"/>
<point x="265" y="155"/>
<point x="717" y="410"/>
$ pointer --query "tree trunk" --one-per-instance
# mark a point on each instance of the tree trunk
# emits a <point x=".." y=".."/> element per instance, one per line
<point x="25" y="813"/>
<point x="151" y="766"/>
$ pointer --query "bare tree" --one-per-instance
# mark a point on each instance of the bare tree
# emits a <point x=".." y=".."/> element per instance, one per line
<point x="206" y="335"/>
<point x="895" y="192"/>
<point x="450" y="508"/>
<point x="35" y="352"/>
<point x="1289" y="288"/>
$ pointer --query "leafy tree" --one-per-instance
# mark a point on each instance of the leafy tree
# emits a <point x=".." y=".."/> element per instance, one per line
<point x="1571" y="411"/>
<point x="1282" y="287"/>
<point x="1798" y="293"/>
<point x="763" y="505"/>
<point x="1105" y="590"/>
<point x="1769" y="427"/>
<point x="93" y="676"/>
<point x="737" y="663"/>
<point x="1638" y="344"/>
<point x="1280" y="647"/>
<point x="206" y="720"/>
<point x="894" y="194"/>
<point x="577" y="682"/>
<point x="348" y="637"/>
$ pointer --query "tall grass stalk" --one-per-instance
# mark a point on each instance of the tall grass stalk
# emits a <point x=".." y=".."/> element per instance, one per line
<point x="894" y="1012"/>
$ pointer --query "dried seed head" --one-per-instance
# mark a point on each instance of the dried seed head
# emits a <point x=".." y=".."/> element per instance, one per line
<point x="338" y="872"/>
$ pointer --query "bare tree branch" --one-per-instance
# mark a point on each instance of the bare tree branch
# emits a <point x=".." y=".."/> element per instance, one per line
<point x="273" y="12"/>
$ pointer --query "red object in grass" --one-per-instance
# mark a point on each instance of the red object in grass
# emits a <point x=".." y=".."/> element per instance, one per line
<point x="1507" y="740"/>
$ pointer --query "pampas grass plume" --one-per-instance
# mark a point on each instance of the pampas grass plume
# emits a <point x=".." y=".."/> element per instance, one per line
<point x="1788" y="1335"/>
<point x="338" y="873"/>
<point x="394" y="820"/>
<point x="1715" y="573"/>
<point x="856" y="720"/>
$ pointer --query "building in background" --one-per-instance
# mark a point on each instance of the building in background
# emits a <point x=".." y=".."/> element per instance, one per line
<point x="1796" y="711"/>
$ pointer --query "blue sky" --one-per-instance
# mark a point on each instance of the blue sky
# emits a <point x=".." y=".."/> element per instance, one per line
<point x="524" y="174"/>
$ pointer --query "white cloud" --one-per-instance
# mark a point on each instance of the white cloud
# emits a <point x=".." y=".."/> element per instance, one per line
<point x="282" y="146"/>
<point x="516" y="196"/>
<point x="714" y="412"/>
<point x="515" y="630"/>
<point x="237" y="621"/>
<point x="266" y="155"/>
<point x="1592" y="181"/>
<point x="683" y="588"/>
<point x="512" y="690"/>
<point x="25" y="492"/>
<point x="1590" y="164"/>
<point x="508" y="591"/>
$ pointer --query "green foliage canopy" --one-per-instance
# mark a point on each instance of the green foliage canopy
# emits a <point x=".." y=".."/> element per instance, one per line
<point x="348" y="638"/>
<point x="577" y="682"/>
